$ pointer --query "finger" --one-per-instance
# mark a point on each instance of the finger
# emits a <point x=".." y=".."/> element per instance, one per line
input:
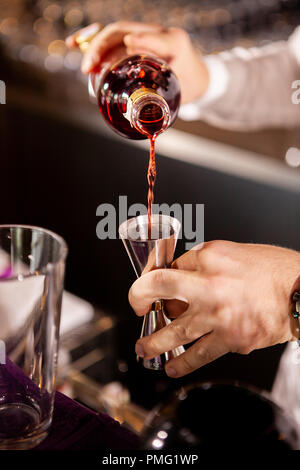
<point x="174" y="308"/>
<point x="71" y="41"/>
<point x="179" y="332"/>
<point x="165" y="284"/>
<point x="206" y="350"/>
<point x="110" y="37"/>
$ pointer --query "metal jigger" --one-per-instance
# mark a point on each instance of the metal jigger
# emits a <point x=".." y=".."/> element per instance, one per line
<point x="147" y="253"/>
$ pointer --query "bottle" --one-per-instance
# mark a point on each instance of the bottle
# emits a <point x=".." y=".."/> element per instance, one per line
<point x="138" y="96"/>
<point x="213" y="417"/>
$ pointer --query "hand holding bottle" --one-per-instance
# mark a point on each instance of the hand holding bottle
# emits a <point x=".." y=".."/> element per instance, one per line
<point x="173" y="45"/>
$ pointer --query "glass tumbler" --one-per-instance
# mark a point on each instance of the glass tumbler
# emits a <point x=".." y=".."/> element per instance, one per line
<point x="32" y="264"/>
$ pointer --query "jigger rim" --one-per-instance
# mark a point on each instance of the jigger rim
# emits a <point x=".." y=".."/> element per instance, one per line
<point x="63" y="247"/>
<point x="169" y="221"/>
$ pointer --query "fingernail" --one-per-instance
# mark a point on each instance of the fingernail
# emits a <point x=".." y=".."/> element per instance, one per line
<point x="139" y="350"/>
<point x="89" y="63"/>
<point x="86" y="66"/>
<point x="171" y="372"/>
<point x="69" y="40"/>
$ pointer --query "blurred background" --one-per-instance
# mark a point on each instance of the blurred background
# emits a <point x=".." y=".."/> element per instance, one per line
<point x="32" y="33"/>
<point x="59" y="162"/>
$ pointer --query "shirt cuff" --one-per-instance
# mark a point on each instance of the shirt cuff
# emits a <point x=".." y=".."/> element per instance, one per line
<point x="218" y="84"/>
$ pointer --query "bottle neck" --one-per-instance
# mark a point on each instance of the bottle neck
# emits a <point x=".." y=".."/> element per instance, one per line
<point x="148" y="112"/>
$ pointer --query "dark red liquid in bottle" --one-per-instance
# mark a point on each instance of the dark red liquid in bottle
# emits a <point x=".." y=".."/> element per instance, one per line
<point x="126" y="77"/>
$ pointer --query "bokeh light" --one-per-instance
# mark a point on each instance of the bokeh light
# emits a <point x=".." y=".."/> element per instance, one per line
<point x="52" y="12"/>
<point x="57" y="47"/>
<point x="54" y="63"/>
<point x="9" y="26"/>
<point x="292" y="157"/>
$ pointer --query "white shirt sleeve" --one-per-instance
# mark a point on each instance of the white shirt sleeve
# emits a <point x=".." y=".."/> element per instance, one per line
<point x="286" y="388"/>
<point x="250" y="88"/>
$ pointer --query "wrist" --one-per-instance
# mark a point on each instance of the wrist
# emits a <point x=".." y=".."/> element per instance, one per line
<point x="285" y="272"/>
<point x="204" y="78"/>
<point x="210" y="85"/>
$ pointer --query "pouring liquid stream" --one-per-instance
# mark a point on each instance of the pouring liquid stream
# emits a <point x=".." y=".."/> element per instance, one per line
<point x="151" y="176"/>
<point x="151" y="124"/>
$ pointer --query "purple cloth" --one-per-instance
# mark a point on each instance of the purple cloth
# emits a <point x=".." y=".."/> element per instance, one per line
<point x="75" y="427"/>
<point x="15" y="386"/>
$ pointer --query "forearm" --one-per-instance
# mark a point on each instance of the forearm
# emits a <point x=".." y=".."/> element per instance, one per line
<point x="257" y="88"/>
